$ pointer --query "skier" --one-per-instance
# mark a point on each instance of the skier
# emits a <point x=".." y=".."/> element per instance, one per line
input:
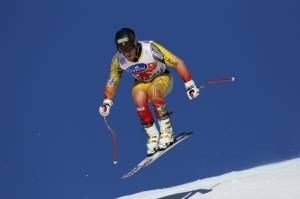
<point x="146" y="61"/>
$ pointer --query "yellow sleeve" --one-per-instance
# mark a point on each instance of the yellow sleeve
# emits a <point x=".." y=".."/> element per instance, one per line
<point x="171" y="60"/>
<point x="114" y="79"/>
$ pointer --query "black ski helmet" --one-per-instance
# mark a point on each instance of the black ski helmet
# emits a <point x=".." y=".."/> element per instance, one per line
<point x="125" y="40"/>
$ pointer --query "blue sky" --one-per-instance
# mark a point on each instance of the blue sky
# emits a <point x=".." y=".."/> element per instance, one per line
<point x="55" y="61"/>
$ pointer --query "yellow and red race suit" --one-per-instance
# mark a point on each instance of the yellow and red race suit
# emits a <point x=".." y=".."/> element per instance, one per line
<point x="152" y="79"/>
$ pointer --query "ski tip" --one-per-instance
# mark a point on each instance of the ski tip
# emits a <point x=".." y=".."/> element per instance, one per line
<point x="186" y="133"/>
<point x="123" y="177"/>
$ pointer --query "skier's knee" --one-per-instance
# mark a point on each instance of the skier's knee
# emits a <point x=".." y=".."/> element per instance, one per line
<point x="160" y="108"/>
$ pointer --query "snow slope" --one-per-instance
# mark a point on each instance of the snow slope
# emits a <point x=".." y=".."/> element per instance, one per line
<point x="273" y="181"/>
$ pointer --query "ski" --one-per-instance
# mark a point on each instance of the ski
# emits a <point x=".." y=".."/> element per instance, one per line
<point x="150" y="159"/>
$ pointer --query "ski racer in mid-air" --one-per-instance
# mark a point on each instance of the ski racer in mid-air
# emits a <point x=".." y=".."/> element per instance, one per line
<point x="146" y="61"/>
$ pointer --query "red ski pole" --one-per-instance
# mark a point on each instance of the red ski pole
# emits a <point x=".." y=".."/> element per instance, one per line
<point x="114" y="139"/>
<point x="220" y="80"/>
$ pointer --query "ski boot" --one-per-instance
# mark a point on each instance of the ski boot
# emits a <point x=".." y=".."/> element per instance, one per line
<point x="166" y="133"/>
<point x="153" y="139"/>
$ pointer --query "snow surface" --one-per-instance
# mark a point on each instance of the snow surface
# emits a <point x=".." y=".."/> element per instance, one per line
<point x="273" y="181"/>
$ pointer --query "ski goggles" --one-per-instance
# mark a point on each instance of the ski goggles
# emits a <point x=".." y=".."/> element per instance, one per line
<point x="126" y="47"/>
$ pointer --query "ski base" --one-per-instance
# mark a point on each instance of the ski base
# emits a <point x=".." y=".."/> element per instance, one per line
<point x="150" y="159"/>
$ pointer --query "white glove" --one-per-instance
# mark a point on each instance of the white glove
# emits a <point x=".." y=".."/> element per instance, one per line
<point x="192" y="89"/>
<point x="105" y="107"/>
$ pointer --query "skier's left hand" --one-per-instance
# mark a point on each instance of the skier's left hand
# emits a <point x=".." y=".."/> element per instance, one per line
<point x="192" y="89"/>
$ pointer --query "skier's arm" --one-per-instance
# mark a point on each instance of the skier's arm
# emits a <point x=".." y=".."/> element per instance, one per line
<point x="111" y="87"/>
<point x="113" y="80"/>
<point x="173" y="61"/>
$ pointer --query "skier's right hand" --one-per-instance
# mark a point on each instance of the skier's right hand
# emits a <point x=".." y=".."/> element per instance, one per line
<point x="105" y="107"/>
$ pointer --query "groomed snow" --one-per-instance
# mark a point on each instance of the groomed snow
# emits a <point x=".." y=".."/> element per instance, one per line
<point x="273" y="181"/>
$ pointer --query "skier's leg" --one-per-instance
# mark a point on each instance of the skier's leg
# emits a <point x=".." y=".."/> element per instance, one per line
<point x="159" y="88"/>
<point x="139" y="94"/>
<point x="140" y="98"/>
